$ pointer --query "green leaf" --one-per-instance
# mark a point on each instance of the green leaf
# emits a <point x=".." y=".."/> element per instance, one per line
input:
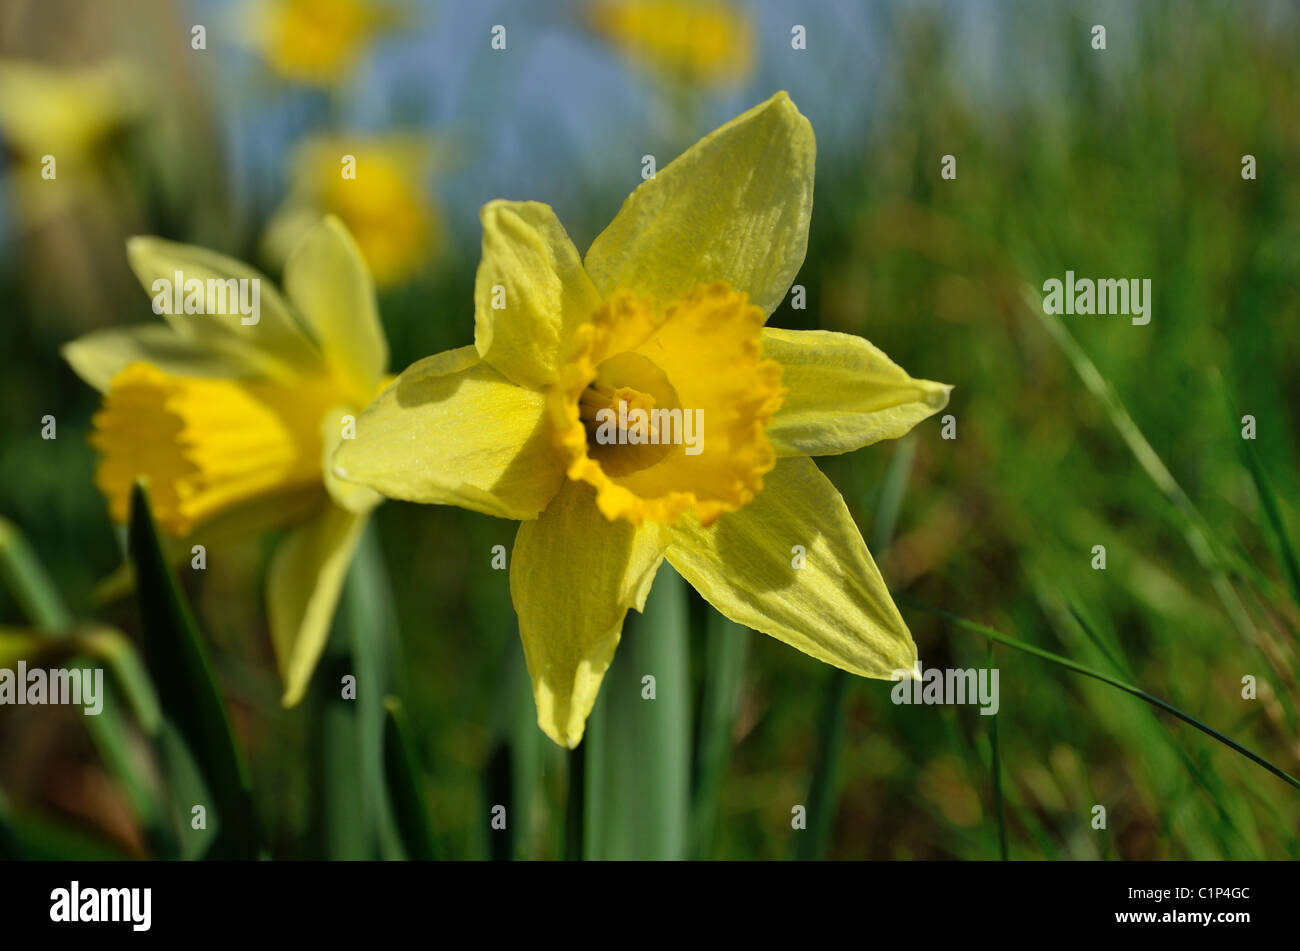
<point x="726" y="653"/>
<point x="405" y="787"/>
<point x="24" y="575"/>
<point x="178" y="663"/>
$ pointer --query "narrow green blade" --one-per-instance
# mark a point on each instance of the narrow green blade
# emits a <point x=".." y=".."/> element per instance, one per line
<point x="187" y="690"/>
<point x="726" y="653"/>
<point x="405" y="786"/>
<point x="24" y="575"/>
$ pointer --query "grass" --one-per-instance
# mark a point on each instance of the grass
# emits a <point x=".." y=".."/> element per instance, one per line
<point x="1071" y="433"/>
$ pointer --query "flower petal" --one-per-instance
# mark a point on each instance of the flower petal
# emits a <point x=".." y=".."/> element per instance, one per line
<point x="530" y="292"/>
<point x="836" y="608"/>
<point x="843" y="393"/>
<point x="573" y="575"/>
<point x="327" y="280"/>
<point x="733" y="207"/>
<point x="302" y="591"/>
<point x="99" y="356"/>
<point x="351" y="496"/>
<point x="453" y="431"/>
<point x="274" y="341"/>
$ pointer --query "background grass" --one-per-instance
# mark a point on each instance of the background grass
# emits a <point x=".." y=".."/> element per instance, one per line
<point x="1123" y="163"/>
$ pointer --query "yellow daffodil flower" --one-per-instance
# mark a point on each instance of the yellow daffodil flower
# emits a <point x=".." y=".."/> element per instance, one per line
<point x="377" y="187"/>
<point x="68" y="114"/>
<point x="694" y="41"/>
<point x="231" y="411"/>
<point x="316" y="42"/>
<point x="666" y="311"/>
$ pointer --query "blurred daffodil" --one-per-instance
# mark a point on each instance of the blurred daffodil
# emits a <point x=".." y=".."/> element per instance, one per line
<point x="58" y="123"/>
<point x="230" y="412"/>
<point x="666" y="312"/>
<point x="316" y="42"/>
<point x="377" y="187"/>
<point x="704" y="42"/>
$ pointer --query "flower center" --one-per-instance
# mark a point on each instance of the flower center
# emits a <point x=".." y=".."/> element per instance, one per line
<point x="205" y="445"/>
<point x="627" y="413"/>
<point x="665" y="407"/>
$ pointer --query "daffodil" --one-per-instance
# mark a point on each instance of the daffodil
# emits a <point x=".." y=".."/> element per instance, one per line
<point x="315" y="41"/>
<point x="377" y="187"/>
<point x="230" y="413"/>
<point x="706" y="42"/>
<point x="57" y="123"/>
<point x="665" y="312"/>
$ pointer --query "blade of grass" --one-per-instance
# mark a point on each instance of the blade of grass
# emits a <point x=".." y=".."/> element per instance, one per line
<point x="1196" y="531"/>
<point x="24" y="576"/>
<point x="998" y="807"/>
<point x="1078" y="668"/>
<point x="1204" y="779"/>
<point x="1283" y="546"/>
<point x="187" y="690"/>
<point x="405" y="787"/>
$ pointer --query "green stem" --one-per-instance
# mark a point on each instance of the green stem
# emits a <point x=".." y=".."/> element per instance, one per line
<point x="638" y="766"/>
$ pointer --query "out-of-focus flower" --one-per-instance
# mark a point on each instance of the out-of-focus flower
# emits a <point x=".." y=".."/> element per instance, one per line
<point x="377" y="187"/>
<point x="704" y="42"/>
<point x="230" y="408"/>
<point x="317" y="42"/>
<point x="665" y="314"/>
<point x="68" y="114"/>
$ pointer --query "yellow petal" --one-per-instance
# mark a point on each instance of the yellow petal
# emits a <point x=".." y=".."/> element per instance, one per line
<point x="66" y="112"/>
<point x="384" y="205"/>
<point x="207" y="446"/>
<point x="327" y="280"/>
<point x="530" y="292"/>
<point x="843" y="393"/>
<point x="302" y="591"/>
<point x="271" y="339"/>
<point x="351" y="496"/>
<point x="453" y="431"/>
<point x="836" y="608"/>
<point x="573" y="575"/>
<point x="690" y="41"/>
<point x="733" y="207"/>
<point x="99" y="356"/>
